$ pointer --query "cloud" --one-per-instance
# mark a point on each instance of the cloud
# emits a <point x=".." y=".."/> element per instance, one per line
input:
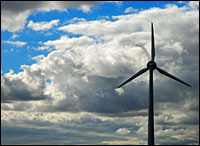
<point x="14" y="36"/>
<point x="123" y="131"/>
<point x="75" y="19"/>
<point x="16" y="43"/>
<point x="27" y="85"/>
<point x="119" y="91"/>
<point x="42" y="48"/>
<point x="38" y="26"/>
<point x="194" y="4"/>
<point x="9" y="18"/>
<point x="65" y="42"/>
<point x="38" y="58"/>
<point x="17" y="12"/>
<point x="63" y="123"/>
<point x="130" y="10"/>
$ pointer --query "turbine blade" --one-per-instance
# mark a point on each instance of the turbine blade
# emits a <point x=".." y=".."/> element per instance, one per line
<point x="134" y="76"/>
<point x="171" y="76"/>
<point x="152" y="43"/>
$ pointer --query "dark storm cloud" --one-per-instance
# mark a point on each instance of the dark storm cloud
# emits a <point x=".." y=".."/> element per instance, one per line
<point x="102" y="98"/>
<point x="19" y="6"/>
<point x="192" y="118"/>
<point x="83" y="131"/>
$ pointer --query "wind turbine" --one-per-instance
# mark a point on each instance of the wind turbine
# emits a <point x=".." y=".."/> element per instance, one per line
<point x="151" y="65"/>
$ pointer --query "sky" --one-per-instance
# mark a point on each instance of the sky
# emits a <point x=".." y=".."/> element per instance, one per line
<point x="61" y="62"/>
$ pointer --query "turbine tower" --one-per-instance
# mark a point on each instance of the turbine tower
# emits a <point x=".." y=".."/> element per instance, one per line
<point x="151" y="65"/>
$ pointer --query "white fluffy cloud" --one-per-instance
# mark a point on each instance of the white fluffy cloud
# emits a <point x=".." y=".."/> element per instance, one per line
<point x="27" y="85"/>
<point x="130" y="10"/>
<point x="65" y="43"/>
<point x="16" y="43"/>
<point x="10" y="18"/>
<point x="38" y="26"/>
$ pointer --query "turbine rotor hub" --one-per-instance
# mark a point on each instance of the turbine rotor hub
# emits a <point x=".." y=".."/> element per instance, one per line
<point x="151" y="65"/>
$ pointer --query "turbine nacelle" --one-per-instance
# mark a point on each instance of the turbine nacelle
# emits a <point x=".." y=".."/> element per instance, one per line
<point x="151" y="65"/>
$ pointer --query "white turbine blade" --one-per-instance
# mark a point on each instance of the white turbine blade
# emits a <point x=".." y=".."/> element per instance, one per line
<point x="134" y="76"/>
<point x="171" y="76"/>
